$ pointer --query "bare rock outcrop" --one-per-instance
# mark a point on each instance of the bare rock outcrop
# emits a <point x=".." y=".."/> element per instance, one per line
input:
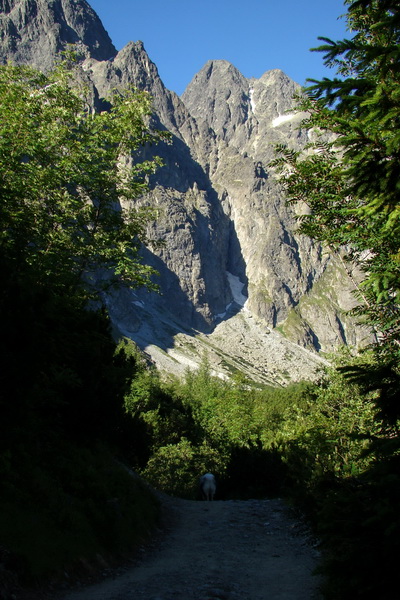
<point x="292" y="282"/>
<point x="35" y="31"/>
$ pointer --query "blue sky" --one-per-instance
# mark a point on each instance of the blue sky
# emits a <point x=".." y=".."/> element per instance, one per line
<point x="180" y="36"/>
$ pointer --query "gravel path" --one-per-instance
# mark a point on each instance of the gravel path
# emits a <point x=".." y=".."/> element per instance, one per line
<point x="222" y="550"/>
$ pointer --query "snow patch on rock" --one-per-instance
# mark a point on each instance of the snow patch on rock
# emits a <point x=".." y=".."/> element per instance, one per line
<point x="282" y="119"/>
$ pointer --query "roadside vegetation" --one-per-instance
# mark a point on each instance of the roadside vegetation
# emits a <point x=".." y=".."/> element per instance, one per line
<point x="323" y="446"/>
<point x="64" y="239"/>
<point x="76" y="405"/>
<point x="348" y="178"/>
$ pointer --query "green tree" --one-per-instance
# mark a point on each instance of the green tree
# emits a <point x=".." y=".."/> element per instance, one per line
<point x="69" y="178"/>
<point x="327" y="436"/>
<point x="349" y="178"/>
<point x="65" y="171"/>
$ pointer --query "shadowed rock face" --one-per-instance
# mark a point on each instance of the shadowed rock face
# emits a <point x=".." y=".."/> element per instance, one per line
<point x="221" y="209"/>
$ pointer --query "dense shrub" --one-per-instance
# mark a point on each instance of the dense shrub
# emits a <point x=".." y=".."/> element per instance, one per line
<point x="175" y="468"/>
<point x="62" y="495"/>
<point x="64" y="505"/>
<point x="324" y="446"/>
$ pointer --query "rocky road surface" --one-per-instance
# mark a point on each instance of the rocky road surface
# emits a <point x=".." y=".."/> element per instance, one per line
<point x="221" y="550"/>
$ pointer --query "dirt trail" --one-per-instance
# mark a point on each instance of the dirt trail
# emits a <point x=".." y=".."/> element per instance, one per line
<point x="221" y="550"/>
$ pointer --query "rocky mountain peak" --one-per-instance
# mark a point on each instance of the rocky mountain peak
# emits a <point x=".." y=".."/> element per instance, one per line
<point x="236" y="279"/>
<point x="219" y="95"/>
<point x="217" y="69"/>
<point x="34" y="31"/>
<point x="248" y="113"/>
<point x="275" y="77"/>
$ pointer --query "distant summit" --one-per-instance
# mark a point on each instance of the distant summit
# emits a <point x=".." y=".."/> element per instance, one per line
<point x="34" y="31"/>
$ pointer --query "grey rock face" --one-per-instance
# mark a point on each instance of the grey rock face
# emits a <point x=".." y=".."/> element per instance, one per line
<point x="221" y="213"/>
<point x="251" y="115"/>
<point x="34" y="31"/>
<point x="285" y="272"/>
<point x="191" y="222"/>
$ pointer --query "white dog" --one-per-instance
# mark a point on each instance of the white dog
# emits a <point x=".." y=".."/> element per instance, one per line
<point x="208" y="486"/>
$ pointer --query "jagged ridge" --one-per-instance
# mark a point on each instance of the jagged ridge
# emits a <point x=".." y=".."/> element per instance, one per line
<point x="221" y="208"/>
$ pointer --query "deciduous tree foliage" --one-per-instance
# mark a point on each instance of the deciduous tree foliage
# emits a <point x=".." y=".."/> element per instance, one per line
<point x="350" y="177"/>
<point x="63" y="174"/>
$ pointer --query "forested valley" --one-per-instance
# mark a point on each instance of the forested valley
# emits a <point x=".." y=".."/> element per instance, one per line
<point x="78" y="406"/>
